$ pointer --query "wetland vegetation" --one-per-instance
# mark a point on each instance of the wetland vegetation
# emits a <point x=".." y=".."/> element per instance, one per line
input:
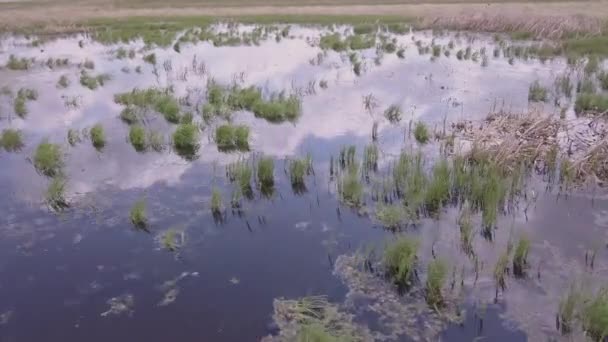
<point x="438" y="215"/>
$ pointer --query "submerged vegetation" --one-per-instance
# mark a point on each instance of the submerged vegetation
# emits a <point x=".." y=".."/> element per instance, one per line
<point x="11" y="140"/>
<point x="400" y="259"/>
<point x="138" y="215"/>
<point x="537" y="93"/>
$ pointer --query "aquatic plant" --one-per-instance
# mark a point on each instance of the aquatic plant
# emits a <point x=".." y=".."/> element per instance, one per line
<point x="466" y="230"/>
<point x="537" y="93"/>
<point x="564" y="85"/>
<point x="11" y="140"/>
<point x="595" y="316"/>
<point x="593" y="64"/>
<point x="19" y="107"/>
<point x="393" y="114"/>
<point x="187" y="118"/>
<point x="278" y="108"/>
<point x="97" y="135"/>
<point x="48" y="159"/>
<point x="63" y="82"/>
<point x="350" y="187"/>
<point x="216" y="201"/>
<point x="587" y="103"/>
<point x="156" y="140"/>
<point x="435" y="280"/>
<point x="438" y="190"/>
<point x="390" y="216"/>
<point x="232" y="137"/>
<point x="266" y="173"/>
<point x="171" y="239"/>
<point x="520" y="257"/>
<point x="501" y="269"/>
<point x="436" y="51"/>
<point x="400" y="261"/>
<point x="389" y="47"/>
<point x="364" y="28"/>
<point x="138" y="215"/>
<point x="401" y="53"/>
<point x="88" y="64"/>
<point x="185" y="140"/>
<point x="370" y="157"/>
<point x="55" y="194"/>
<point x="128" y="115"/>
<point x="421" y="133"/>
<point x="297" y="171"/>
<point x="16" y="63"/>
<point x="241" y="172"/>
<point x="568" y="310"/>
<point x="360" y="42"/>
<point x="333" y="42"/>
<point x="160" y="100"/>
<point x="586" y="85"/>
<point x="93" y="82"/>
<point x="357" y="68"/>
<point x="150" y="58"/>
<point x="73" y="137"/>
<point x="602" y="77"/>
<point x="137" y="138"/>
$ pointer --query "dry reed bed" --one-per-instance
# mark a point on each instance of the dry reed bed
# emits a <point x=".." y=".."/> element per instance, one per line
<point x="579" y="145"/>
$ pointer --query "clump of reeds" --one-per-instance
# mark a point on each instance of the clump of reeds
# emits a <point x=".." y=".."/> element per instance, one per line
<point x="595" y="316"/>
<point x="24" y="95"/>
<point x="569" y="307"/>
<point x="350" y="187"/>
<point x="298" y="169"/>
<point x="63" y="82"/>
<point x="466" y="230"/>
<point x="370" y="157"/>
<point x="170" y="239"/>
<point x="138" y="215"/>
<point x="421" y="132"/>
<point x="501" y="269"/>
<point x="590" y="104"/>
<point x="393" y="114"/>
<point x="390" y="216"/>
<point x="137" y="138"/>
<point x="55" y="194"/>
<point x="97" y="135"/>
<point x="438" y="190"/>
<point x="564" y="85"/>
<point x="156" y="140"/>
<point x="537" y="93"/>
<point x="593" y="64"/>
<point x="436" y="276"/>
<point x="93" y="81"/>
<point x="232" y="137"/>
<point x="520" y="256"/>
<point x="185" y="140"/>
<point x="400" y="259"/>
<point x="73" y="137"/>
<point x="265" y="174"/>
<point x="48" y="159"/>
<point x="16" y="63"/>
<point x="11" y="140"/>
<point x="159" y="100"/>
<point x="150" y="58"/>
<point x="216" y="202"/>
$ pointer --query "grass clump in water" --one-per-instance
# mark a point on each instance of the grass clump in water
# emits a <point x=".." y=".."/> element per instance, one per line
<point x="370" y="157"/>
<point x="63" y="82"/>
<point x="48" y="159"/>
<point x="232" y="137"/>
<point x="159" y="100"/>
<point x="436" y="275"/>
<point x="98" y="138"/>
<point x="129" y="116"/>
<point x="11" y="140"/>
<point x="16" y="63"/>
<point x="138" y="215"/>
<point x="593" y="65"/>
<point x="350" y="187"/>
<point x="438" y="190"/>
<point x="24" y="95"/>
<point x="587" y="103"/>
<point x="73" y="137"/>
<point x="93" y="82"/>
<point x="241" y="173"/>
<point x="137" y="138"/>
<point x="595" y="316"/>
<point x="185" y="140"/>
<point x="334" y="42"/>
<point x="364" y="28"/>
<point x="501" y="270"/>
<point x="466" y="230"/>
<point x="602" y="77"/>
<point x="216" y="202"/>
<point x="400" y="261"/>
<point x="266" y="174"/>
<point x="151" y="59"/>
<point x="360" y="42"/>
<point x="55" y="194"/>
<point x="421" y="132"/>
<point x="298" y="169"/>
<point x="520" y="257"/>
<point x="569" y="309"/>
<point x="278" y="108"/>
<point x="156" y="140"/>
<point x="391" y="216"/>
<point x="393" y="114"/>
<point x="537" y="93"/>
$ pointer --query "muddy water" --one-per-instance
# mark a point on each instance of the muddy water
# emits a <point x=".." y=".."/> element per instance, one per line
<point x="86" y="274"/>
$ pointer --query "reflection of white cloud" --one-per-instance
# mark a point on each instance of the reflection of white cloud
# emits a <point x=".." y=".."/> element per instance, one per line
<point x="424" y="89"/>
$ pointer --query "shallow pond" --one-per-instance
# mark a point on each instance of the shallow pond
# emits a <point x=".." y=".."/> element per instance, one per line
<point x="85" y="273"/>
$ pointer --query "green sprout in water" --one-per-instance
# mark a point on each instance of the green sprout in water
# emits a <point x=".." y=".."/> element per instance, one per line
<point x="216" y="202"/>
<point x="537" y="93"/>
<point x="400" y="261"/>
<point x="55" y="194"/>
<point x="266" y="174"/>
<point x="48" y="159"/>
<point x="298" y="169"/>
<point x="595" y="316"/>
<point x="232" y="137"/>
<point x="137" y="215"/>
<point x="391" y="216"/>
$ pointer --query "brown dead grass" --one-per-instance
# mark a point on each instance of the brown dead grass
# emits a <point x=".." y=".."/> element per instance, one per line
<point x="546" y="18"/>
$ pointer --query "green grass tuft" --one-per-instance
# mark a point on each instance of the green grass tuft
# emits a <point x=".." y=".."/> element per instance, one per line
<point x="138" y="215"/>
<point x="421" y="133"/>
<point x="55" y="194"/>
<point x="537" y="93"/>
<point x="520" y="257"/>
<point x="137" y="137"/>
<point x="216" y="201"/>
<point x="185" y="140"/>
<point x="266" y="174"/>
<point x="16" y="63"/>
<point x="400" y="261"/>
<point x="98" y="138"/>
<point x="159" y="100"/>
<point x="589" y="104"/>
<point x="48" y="159"/>
<point x="393" y="114"/>
<point x="391" y="216"/>
<point x="595" y="316"/>
<point x="298" y="169"/>
<point x="232" y="137"/>
<point x="11" y="140"/>
<point x="438" y="190"/>
<point x="63" y="82"/>
<point x="436" y="276"/>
